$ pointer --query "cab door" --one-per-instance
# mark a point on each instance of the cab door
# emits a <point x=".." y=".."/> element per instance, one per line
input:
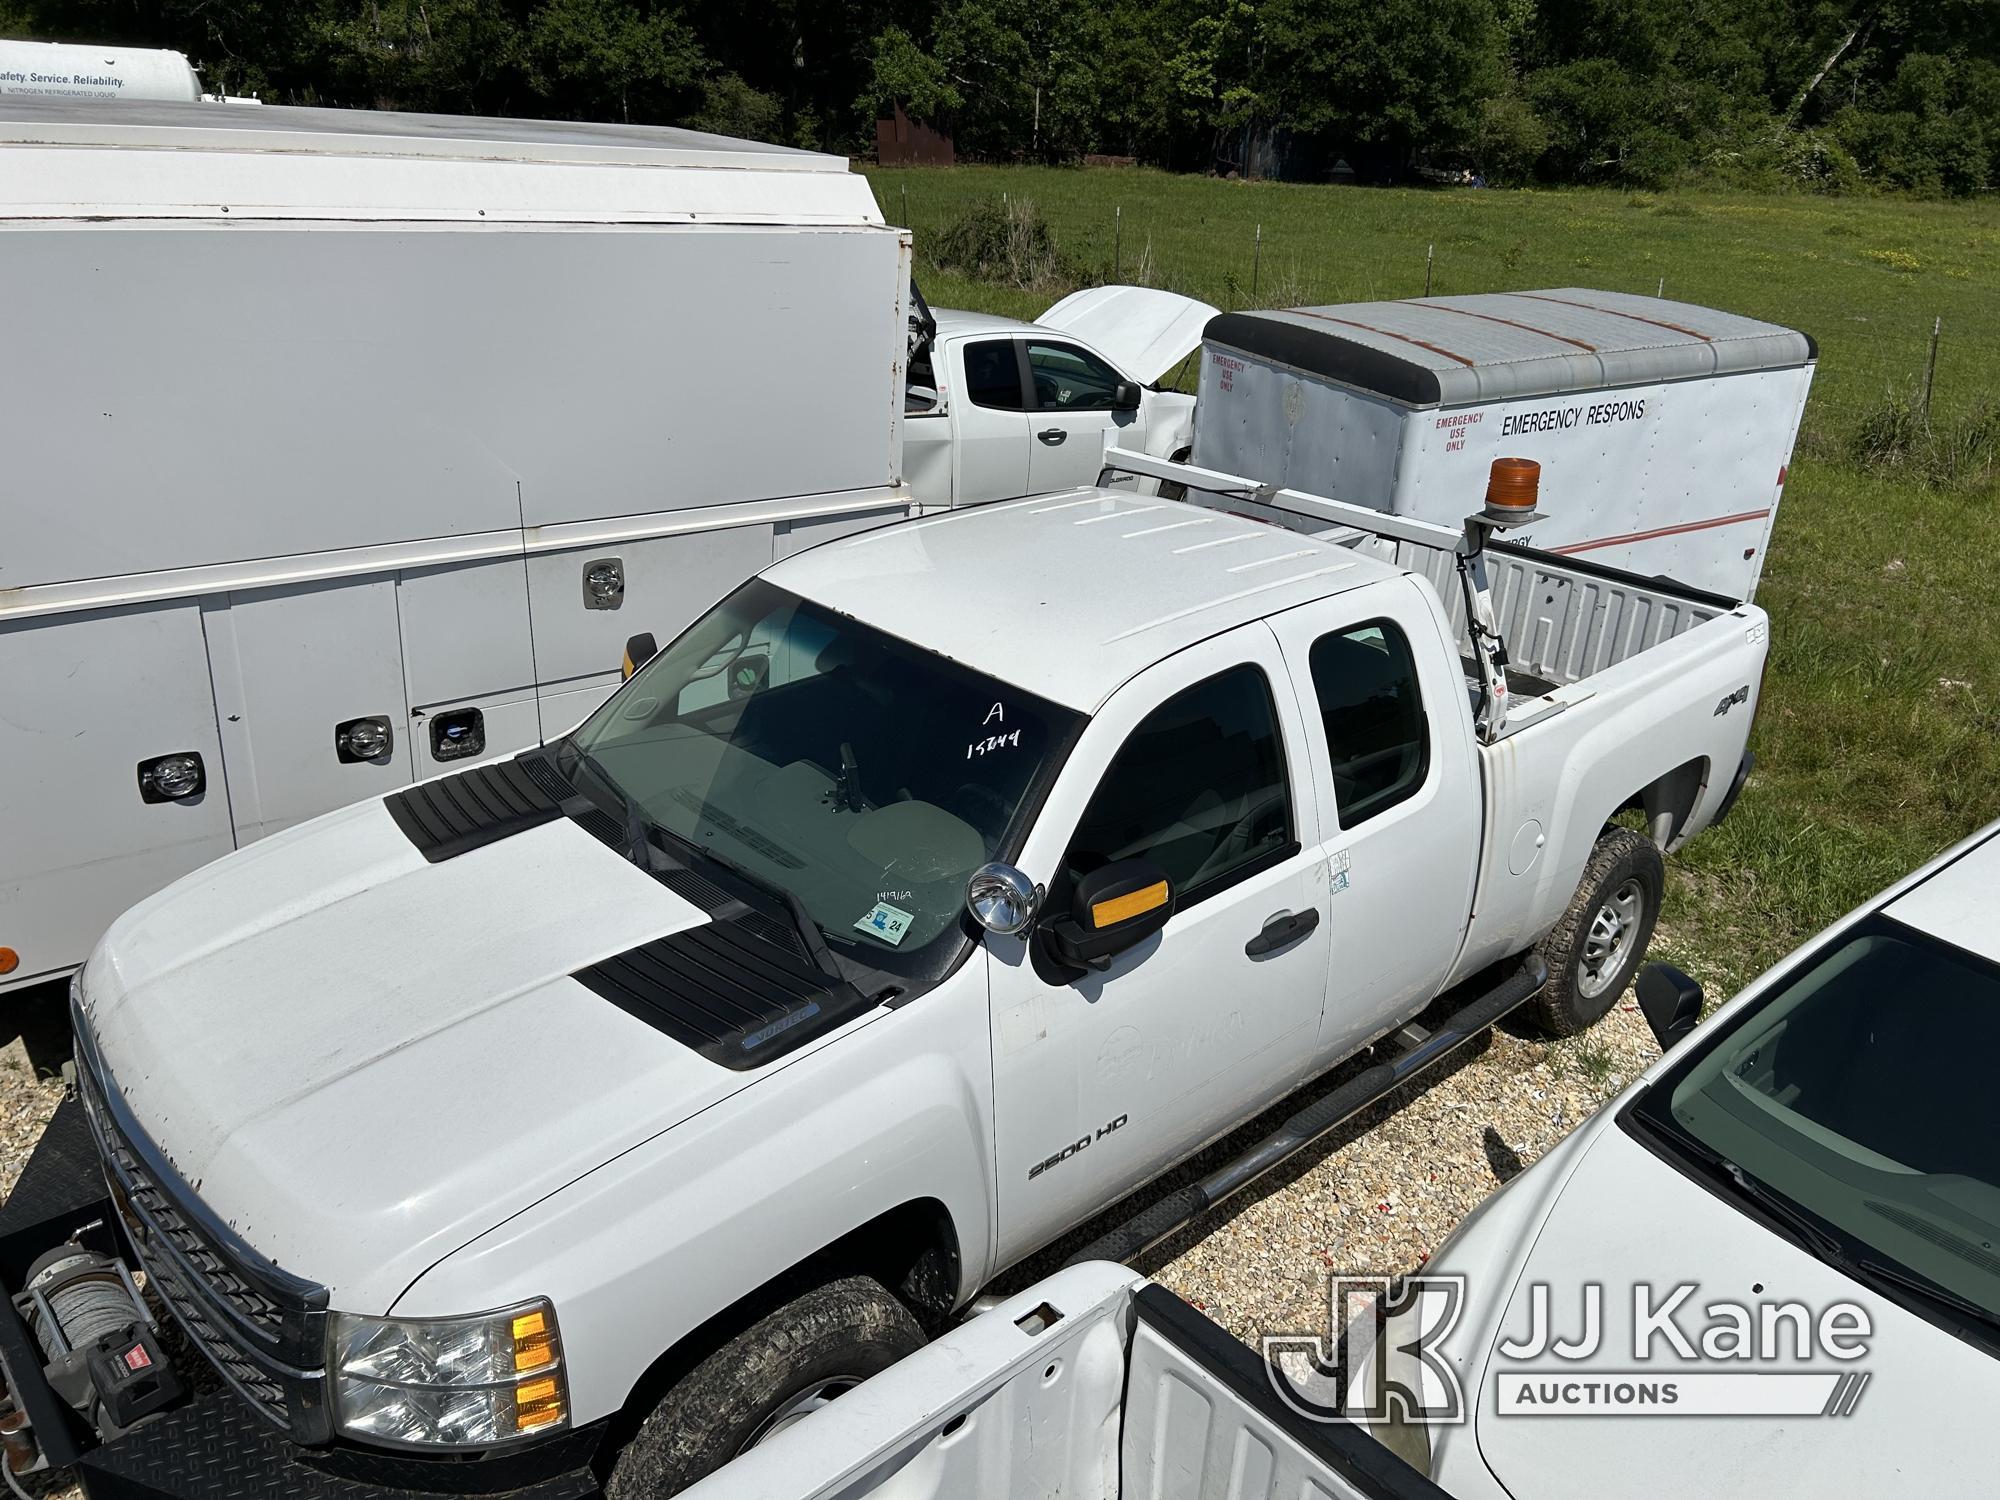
<point x="989" y="415"/>
<point x="1395" y="772"/>
<point x="1201" y="766"/>
<point x="1073" y="417"/>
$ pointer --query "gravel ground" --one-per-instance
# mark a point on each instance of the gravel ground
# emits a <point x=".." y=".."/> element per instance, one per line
<point x="1375" y="1198"/>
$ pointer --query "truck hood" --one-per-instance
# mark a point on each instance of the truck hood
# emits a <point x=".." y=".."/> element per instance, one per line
<point x="1146" y="331"/>
<point x="1626" y="1217"/>
<point x="362" y="1061"/>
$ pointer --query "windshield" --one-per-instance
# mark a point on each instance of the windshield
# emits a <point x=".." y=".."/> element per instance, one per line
<point x="865" y="776"/>
<point x="1860" y="1091"/>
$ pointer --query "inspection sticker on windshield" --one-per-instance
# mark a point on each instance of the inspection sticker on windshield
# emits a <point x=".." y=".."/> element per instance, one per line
<point x="886" y="922"/>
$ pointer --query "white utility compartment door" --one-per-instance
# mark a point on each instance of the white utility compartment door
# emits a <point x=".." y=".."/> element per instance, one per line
<point x="291" y="665"/>
<point x="468" y="663"/>
<point x="83" y="700"/>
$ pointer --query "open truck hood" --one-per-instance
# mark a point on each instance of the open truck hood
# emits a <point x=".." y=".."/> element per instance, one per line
<point x="362" y="1061"/>
<point x="1145" y="330"/>
<point x="1625" y="1218"/>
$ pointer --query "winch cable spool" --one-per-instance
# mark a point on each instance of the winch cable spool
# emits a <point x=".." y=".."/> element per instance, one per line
<point x="103" y="1348"/>
<point x="88" y="1295"/>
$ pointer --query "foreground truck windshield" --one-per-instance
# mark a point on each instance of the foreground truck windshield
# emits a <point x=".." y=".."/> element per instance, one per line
<point x="1835" y="1097"/>
<point x="864" y="776"/>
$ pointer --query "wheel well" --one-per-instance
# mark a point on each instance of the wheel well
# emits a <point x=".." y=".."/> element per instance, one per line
<point x="912" y="1250"/>
<point x="1668" y="803"/>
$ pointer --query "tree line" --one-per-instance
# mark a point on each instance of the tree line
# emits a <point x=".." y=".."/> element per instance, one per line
<point x="1833" y="95"/>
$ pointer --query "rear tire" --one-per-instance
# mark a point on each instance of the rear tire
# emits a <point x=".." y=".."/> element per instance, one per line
<point x="1597" y="947"/>
<point x="787" y="1363"/>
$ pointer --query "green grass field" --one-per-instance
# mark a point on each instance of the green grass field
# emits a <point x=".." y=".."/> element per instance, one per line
<point x="1878" y="741"/>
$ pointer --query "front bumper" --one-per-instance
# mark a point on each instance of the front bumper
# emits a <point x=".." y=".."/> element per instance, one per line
<point x="215" y="1445"/>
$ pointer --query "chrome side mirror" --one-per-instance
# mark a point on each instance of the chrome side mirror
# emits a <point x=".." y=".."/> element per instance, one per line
<point x="1002" y="899"/>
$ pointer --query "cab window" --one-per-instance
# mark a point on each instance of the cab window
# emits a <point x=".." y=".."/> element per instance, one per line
<point x="993" y="375"/>
<point x="1199" y="789"/>
<point x="1376" y="732"/>
<point x="1070" y="379"/>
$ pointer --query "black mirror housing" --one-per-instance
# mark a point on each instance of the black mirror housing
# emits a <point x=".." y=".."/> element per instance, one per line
<point x="1114" y="908"/>
<point x="1125" y="396"/>
<point x="1670" y="1001"/>
<point x="639" y="650"/>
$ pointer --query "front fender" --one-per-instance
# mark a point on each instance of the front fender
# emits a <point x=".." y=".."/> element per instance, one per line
<point x="648" y="1247"/>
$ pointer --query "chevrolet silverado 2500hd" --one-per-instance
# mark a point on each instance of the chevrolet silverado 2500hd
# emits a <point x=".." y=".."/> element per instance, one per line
<point x="934" y="890"/>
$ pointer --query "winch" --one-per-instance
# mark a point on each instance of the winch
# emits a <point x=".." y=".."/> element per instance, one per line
<point x="103" y="1348"/>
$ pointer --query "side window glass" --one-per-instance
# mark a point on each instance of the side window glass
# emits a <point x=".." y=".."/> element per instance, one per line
<point x="1070" y="379"/>
<point x="1198" y="788"/>
<point x="1376" y="732"/>
<point x="993" y="375"/>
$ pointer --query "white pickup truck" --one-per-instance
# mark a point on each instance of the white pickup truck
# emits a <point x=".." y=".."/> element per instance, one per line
<point x="996" y="408"/>
<point x="935" y="889"/>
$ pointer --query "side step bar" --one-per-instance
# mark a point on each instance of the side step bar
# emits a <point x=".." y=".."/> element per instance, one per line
<point x="1144" y="1230"/>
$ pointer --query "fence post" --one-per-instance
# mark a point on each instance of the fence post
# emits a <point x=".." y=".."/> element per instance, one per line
<point x="1661" y="289"/>
<point x="1256" y="261"/>
<point x="1430" y="251"/>
<point x="906" y="205"/>
<point x="1930" y="367"/>
<point x="1117" y="241"/>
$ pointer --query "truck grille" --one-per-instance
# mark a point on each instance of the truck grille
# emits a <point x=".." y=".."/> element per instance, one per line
<point x="262" y="1328"/>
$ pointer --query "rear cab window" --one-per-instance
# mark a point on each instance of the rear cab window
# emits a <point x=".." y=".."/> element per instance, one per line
<point x="993" y="375"/>
<point x="1372" y="711"/>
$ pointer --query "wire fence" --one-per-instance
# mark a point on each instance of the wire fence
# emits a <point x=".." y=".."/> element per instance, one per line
<point x="1914" y="356"/>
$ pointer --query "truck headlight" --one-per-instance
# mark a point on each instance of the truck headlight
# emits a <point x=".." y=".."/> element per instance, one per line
<point x="474" y="1382"/>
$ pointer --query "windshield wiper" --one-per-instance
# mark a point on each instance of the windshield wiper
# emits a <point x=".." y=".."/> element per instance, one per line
<point x="1930" y="1291"/>
<point x="1814" y="1237"/>
<point x="638" y="846"/>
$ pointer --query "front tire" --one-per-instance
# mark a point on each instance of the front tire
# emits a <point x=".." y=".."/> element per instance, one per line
<point x="1597" y="947"/>
<point x="782" y="1367"/>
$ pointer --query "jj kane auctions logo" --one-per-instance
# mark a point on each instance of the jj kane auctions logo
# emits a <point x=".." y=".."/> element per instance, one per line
<point x="1386" y="1359"/>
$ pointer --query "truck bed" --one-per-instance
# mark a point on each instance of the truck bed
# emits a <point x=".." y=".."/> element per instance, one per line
<point x="1564" y="621"/>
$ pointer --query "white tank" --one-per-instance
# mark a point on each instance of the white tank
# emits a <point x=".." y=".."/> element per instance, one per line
<point x="65" y="71"/>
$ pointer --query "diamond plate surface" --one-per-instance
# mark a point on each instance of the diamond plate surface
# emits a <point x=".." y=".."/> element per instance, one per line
<point x="218" y="1449"/>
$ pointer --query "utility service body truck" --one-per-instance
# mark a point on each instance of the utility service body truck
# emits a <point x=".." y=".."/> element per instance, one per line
<point x="342" y="446"/>
<point x="1671" y="425"/>
<point x="595" y="1112"/>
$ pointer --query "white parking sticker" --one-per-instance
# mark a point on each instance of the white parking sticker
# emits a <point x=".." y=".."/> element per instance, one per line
<point x="886" y="922"/>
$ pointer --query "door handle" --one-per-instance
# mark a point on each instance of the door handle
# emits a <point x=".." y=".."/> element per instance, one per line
<point x="1286" y="927"/>
<point x="1053" y="436"/>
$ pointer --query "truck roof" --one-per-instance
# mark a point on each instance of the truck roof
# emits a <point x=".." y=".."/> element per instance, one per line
<point x="157" y="157"/>
<point x="1456" y="351"/>
<point x="1068" y="595"/>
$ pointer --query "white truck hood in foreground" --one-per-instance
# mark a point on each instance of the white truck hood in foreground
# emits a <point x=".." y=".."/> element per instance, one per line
<point x="362" y="1061"/>
<point x="1147" y="331"/>
<point x="1626" y="1217"/>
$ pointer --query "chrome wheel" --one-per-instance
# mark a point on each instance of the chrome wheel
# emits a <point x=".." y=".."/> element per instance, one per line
<point x="804" y="1404"/>
<point x="1609" y="941"/>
